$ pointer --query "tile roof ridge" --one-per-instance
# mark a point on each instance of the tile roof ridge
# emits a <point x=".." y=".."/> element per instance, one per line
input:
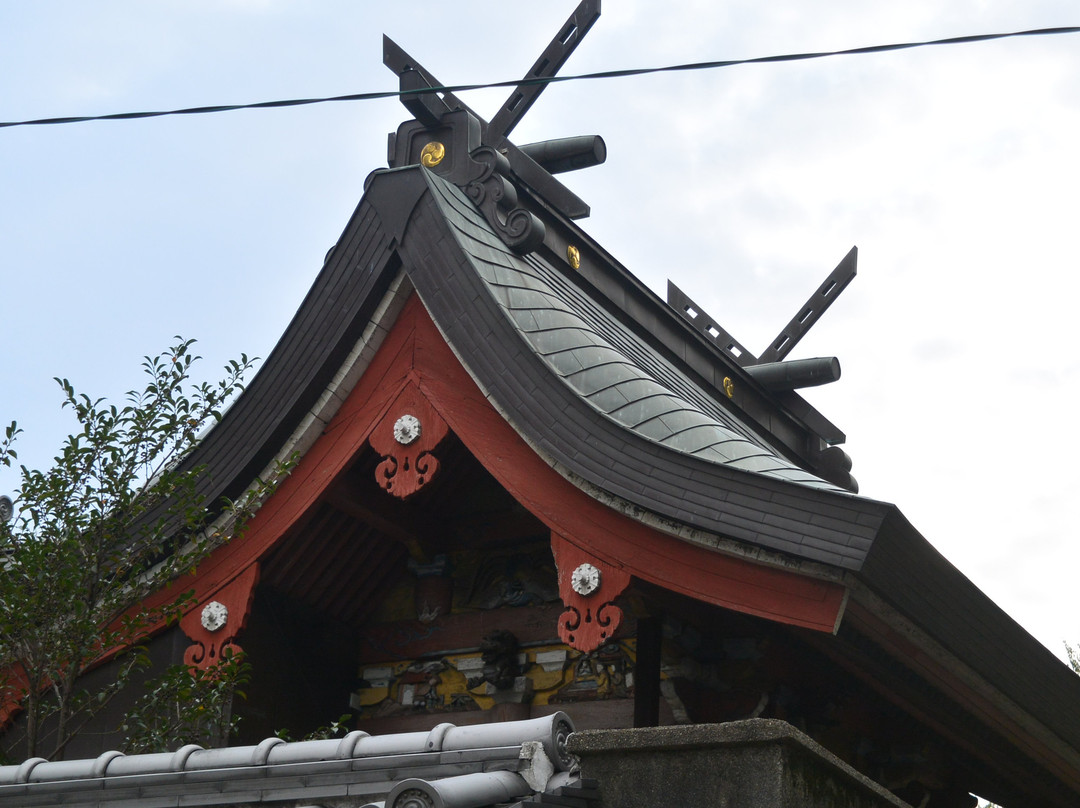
<point x="498" y="746"/>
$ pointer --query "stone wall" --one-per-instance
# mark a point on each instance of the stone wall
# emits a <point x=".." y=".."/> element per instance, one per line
<point x="742" y="764"/>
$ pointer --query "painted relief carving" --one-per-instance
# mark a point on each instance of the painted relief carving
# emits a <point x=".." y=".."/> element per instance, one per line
<point x="434" y="589"/>
<point x="405" y="437"/>
<point x="495" y="649"/>
<point x="213" y="625"/>
<point x="588" y="588"/>
<point x="499" y="650"/>
<point x="495" y="580"/>
<point x="606" y="673"/>
<point x="542" y="675"/>
<point x="435" y="608"/>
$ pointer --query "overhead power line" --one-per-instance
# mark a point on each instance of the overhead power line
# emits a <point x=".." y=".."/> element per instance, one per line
<point x="605" y="74"/>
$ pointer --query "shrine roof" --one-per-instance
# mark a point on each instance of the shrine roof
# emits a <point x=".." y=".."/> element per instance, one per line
<point x="631" y="421"/>
<point x="548" y="353"/>
<point x="521" y="326"/>
<point x="605" y="362"/>
<point x="450" y="766"/>
<point x="490" y="305"/>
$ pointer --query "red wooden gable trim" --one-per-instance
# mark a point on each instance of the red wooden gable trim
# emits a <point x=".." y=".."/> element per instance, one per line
<point x="415" y="354"/>
<point x="213" y="627"/>
<point x="346" y="434"/>
<point x="588" y="588"/>
<point x="597" y="529"/>
<point x="407" y="447"/>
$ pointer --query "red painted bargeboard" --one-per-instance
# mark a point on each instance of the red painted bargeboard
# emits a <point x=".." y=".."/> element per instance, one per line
<point x="414" y="352"/>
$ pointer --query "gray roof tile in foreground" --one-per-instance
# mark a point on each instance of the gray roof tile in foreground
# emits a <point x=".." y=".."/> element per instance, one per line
<point x="450" y="767"/>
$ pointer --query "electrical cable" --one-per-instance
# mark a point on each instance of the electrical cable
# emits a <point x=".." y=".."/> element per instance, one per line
<point x="605" y="74"/>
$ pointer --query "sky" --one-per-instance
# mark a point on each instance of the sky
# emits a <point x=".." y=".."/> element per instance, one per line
<point x="953" y="169"/>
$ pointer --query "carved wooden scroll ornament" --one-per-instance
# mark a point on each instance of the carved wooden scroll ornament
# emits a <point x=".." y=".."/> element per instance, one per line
<point x="588" y="588"/>
<point x="405" y="437"/>
<point x="212" y="626"/>
<point x="496" y="197"/>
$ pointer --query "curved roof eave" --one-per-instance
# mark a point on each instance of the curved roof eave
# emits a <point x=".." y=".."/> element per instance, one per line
<point x="401" y="226"/>
<point x="866" y="537"/>
<point x="912" y="577"/>
<point x="808" y="523"/>
<point x="301" y="368"/>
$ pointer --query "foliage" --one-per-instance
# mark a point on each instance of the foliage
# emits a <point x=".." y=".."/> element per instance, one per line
<point x="1074" y="657"/>
<point x="331" y="730"/>
<point x="118" y="515"/>
<point x="187" y="705"/>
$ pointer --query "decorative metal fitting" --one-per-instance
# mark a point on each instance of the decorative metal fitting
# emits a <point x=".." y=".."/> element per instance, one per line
<point x="573" y="255"/>
<point x="214" y="616"/>
<point x="432" y="154"/>
<point x="729" y="387"/>
<point x="406" y="429"/>
<point x="585" y="579"/>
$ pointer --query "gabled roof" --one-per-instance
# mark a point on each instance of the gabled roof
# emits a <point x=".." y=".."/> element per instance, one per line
<point x="736" y="485"/>
<point x="603" y="361"/>
<point x="612" y="402"/>
<point x="637" y="413"/>
<point x="675" y="450"/>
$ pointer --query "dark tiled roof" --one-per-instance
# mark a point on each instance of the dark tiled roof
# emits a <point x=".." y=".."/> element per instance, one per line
<point x="448" y="767"/>
<point x="765" y="510"/>
<point x="514" y="321"/>
<point x="604" y="362"/>
<point x="465" y="277"/>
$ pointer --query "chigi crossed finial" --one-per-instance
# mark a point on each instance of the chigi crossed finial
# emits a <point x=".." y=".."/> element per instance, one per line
<point x="472" y="152"/>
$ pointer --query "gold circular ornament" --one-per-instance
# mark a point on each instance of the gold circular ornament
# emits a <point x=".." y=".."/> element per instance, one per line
<point x="729" y="387"/>
<point x="432" y="154"/>
<point x="573" y="255"/>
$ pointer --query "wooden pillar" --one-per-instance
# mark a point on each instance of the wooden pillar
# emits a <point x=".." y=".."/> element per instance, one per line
<point x="647" y="672"/>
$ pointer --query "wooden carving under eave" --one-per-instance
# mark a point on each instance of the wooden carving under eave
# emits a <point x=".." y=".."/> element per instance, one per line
<point x="405" y="437"/>
<point x="588" y="588"/>
<point x="212" y="626"/>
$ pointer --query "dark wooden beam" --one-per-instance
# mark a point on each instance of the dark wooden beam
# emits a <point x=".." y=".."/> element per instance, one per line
<point x="395" y="57"/>
<point x="425" y="107"/>
<point x="532" y="625"/>
<point x="429" y="107"/>
<point x="812" y="309"/>
<point x="693" y="313"/>
<point x="549" y="63"/>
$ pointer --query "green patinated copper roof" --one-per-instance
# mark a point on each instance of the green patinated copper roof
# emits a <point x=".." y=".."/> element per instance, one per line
<point x="604" y="362"/>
